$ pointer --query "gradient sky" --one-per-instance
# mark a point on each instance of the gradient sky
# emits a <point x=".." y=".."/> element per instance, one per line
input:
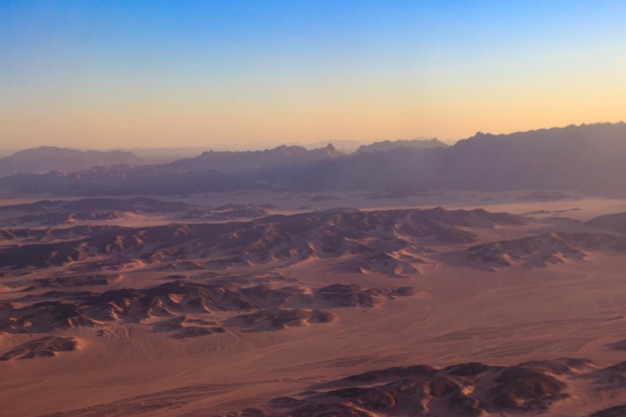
<point x="229" y="73"/>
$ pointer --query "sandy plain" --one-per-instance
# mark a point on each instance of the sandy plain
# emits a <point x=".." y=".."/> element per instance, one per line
<point x="462" y="309"/>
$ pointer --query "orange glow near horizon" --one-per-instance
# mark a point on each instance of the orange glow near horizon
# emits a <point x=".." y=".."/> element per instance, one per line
<point x="389" y="73"/>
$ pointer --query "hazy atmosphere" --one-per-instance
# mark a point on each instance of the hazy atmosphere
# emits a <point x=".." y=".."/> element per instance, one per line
<point x="247" y="74"/>
<point x="312" y="208"/>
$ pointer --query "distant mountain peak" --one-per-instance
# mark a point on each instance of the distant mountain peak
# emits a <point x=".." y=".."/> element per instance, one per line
<point x="242" y="161"/>
<point x="388" y="145"/>
<point x="52" y="158"/>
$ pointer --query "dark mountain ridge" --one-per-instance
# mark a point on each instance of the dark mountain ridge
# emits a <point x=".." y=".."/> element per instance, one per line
<point x="388" y="145"/>
<point x="242" y="161"/>
<point x="587" y="158"/>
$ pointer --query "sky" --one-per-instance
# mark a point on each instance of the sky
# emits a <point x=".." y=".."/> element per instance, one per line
<point x="249" y="74"/>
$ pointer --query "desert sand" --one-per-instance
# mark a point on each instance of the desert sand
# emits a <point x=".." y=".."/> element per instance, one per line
<point x="282" y="304"/>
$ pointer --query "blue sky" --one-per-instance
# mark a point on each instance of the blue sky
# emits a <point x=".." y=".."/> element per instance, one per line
<point x="98" y="74"/>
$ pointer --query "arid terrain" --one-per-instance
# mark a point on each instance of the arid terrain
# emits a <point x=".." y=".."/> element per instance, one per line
<point x="296" y="304"/>
<point x="312" y="208"/>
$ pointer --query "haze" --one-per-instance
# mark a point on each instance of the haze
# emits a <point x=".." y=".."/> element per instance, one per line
<point x="451" y="241"/>
<point x="243" y="74"/>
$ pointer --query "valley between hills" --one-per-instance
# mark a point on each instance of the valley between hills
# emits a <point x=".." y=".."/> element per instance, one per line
<point x="308" y="304"/>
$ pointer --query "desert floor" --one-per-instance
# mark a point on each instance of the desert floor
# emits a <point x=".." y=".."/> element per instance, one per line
<point x="461" y="311"/>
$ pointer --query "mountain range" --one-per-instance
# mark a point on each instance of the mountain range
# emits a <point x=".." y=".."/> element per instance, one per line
<point x="587" y="158"/>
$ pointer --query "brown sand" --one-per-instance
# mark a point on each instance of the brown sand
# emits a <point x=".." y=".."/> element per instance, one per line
<point x="463" y="311"/>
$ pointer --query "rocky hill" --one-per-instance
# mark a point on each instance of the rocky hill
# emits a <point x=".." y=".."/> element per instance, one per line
<point x="50" y="158"/>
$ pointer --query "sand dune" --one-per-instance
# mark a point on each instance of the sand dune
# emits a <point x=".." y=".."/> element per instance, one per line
<point x="615" y="222"/>
<point x="468" y="389"/>
<point x="42" y="347"/>
<point x="281" y="319"/>
<point x="373" y="241"/>
<point x="312" y="313"/>
<point x="190" y="305"/>
<point x="550" y="248"/>
<point x="616" y="411"/>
